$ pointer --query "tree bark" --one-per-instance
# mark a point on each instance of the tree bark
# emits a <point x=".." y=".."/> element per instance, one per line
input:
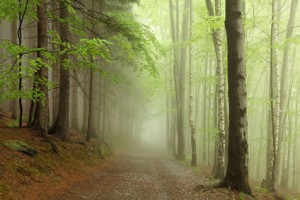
<point x="90" y="130"/>
<point x="40" y="120"/>
<point x="217" y="39"/>
<point x="61" y="125"/>
<point x="191" y="106"/>
<point x="284" y="91"/>
<point x="21" y="16"/>
<point x="56" y="66"/>
<point x="86" y="83"/>
<point x="237" y="171"/>
<point x="74" y="105"/>
<point x="175" y="33"/>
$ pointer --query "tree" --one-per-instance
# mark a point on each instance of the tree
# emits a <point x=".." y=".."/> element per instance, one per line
<point x="237" y="171"/>
<point x="61" y="125"/>
<point x="181" y="81"/>
<point x="191" y="107"/>
<point x="21" y="16"/>
<point x="56" y="65"/>
<point x="219" y="167"/>
<point x="40" y="120"/>
<point x="271" y="175"/>
<point x="175" y="62"/>
<point x="284" y="101"/>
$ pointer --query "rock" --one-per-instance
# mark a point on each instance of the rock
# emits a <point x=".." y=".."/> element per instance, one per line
<point x="20" y="146"/>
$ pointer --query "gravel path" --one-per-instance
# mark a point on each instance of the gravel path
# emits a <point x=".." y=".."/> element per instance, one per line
<point x="139" y="176"/>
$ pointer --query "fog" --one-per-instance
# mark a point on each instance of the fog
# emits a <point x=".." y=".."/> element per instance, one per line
<point x="155" y="74"/>
<point x="154" y="128"/>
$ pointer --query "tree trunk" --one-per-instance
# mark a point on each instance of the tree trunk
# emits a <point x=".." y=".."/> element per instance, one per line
<point x="295" y="169"/>
<point x="86" y="83"/>
<point x="74" y="105"/>
<point x="40" y="120"/>
<point x="191" y="106"/>
<point x="21" y="15"/>
<point x="56" y="66"/>
<point x="204" y="113"/>
<point x="175" y="33"/>
<point x="90" y="128"/>
<point x="284" y="91"/>
<point x="237" y="171"/>
<point x="61" y="125"/>
<point x="13" y="33"/>
<point x="217" y="39"/>
<point x="276" y="94"/>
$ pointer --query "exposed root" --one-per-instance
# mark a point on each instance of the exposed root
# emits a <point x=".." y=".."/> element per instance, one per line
<point x="52" y="144"/>
<point x="240" y="188"/>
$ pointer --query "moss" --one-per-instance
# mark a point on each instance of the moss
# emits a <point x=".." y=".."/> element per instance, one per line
<point x="261" y="189"/>
<point x="20" y="146"/>
<point x="104" y="151"/>
<point x="4" y="189"/>
<point x="23" y="168"/>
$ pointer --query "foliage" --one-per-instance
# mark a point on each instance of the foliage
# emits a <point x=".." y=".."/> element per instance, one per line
<point x="136" y="41"/>
<point x="130" y="40"/>
<point x="241" y="196"/>
<point x="9" y="9"/>
<point x="10" y="71"/>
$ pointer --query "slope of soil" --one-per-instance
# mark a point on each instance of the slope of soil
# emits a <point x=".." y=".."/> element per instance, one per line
<point x="47" y="173"/>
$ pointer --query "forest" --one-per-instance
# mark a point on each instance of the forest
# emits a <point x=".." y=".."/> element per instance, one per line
<point x="212" y="85"/>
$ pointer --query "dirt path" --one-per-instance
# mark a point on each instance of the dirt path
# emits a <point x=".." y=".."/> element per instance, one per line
<point x="135" y="176"/>
<point x="148" y="176"/>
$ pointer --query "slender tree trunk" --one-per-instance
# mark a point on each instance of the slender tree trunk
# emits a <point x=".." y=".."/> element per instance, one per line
<point x="271" y="176"/>
<point x="204" y="113"/>
<point x="13" y="33"/>
<point x="104" y="110"/>
<point x="175" y="33"/>
<point x="295" y="170"/>
<point x="20" y="37"/>
<point x="276" y="94"/>
<point x="90" y="127"/>
<point x="174" y="127"/>
<point x="268" y="182"/>
<point x="217" y="39"/>
<point x="169" y="110"/>
<point x="286" y="134"/>
<point x="208" y="118"/>
<point x="237" y="171"/>
<point x="74" y="105"/>
<point x="100" y="110"/>
<point x="191" y="106"/>
<point x="86" y="84"/>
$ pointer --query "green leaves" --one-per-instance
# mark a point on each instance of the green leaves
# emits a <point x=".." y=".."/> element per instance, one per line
<point x="118" y="38"/>
<point x="93" y="49"/>
<point x="10" y="9"/>
<point x="137" y="40"/>
<point x="11" y="71"/>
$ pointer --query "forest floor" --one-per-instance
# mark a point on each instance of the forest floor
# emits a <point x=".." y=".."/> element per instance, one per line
<point x="86" y="171"/>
